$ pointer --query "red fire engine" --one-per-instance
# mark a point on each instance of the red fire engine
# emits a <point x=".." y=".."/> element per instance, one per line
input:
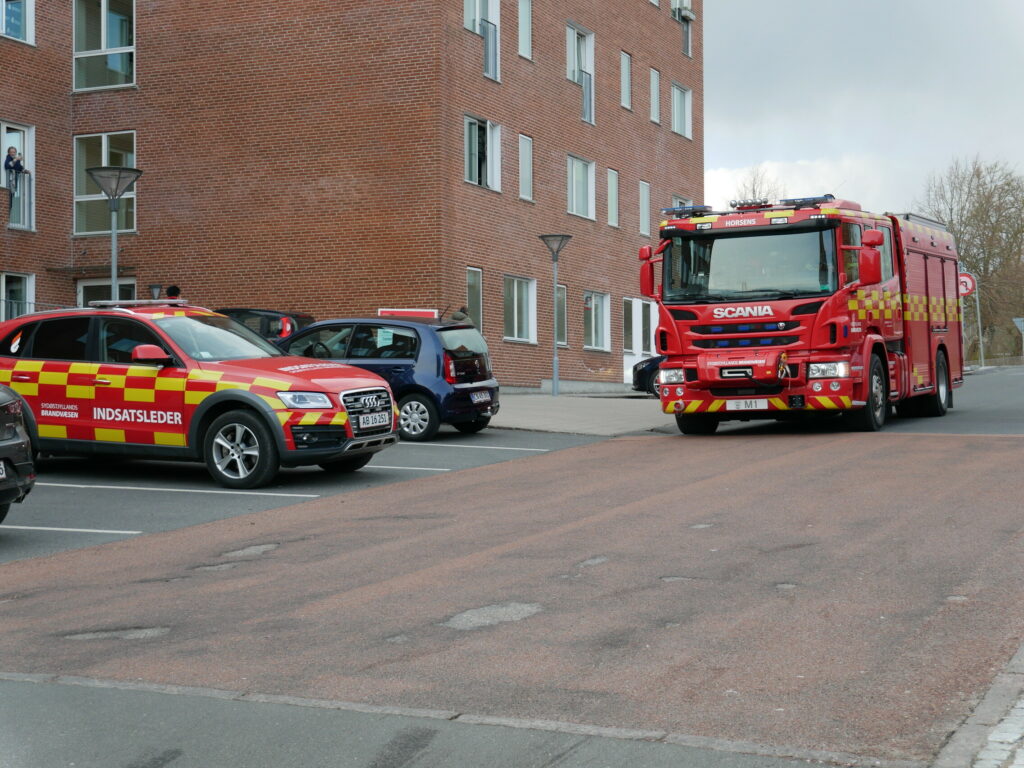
<point x="804" y="306"/>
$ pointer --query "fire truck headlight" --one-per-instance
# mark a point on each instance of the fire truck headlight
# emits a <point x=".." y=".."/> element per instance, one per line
<point x="828" y="371"/>
<point x="671" y="375"/>
<point x="305" y="400"/>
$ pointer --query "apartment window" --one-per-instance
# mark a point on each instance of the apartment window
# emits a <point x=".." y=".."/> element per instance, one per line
<point x="613" y="198"/>
<point x="645" y="209"/>
<point x="18" y="292"/>
<point x="18" y="19"/>
<point x="19" y="185"/>
<point x="678" y="201"/>
<point x="579" y="64"/>
<point x="655" y="96"/>
<point x="561" y="316"/>
<point x="92" y="213"/>
<point x="682" y="108"/>
<point x="682" y="11"/>
<point x="525" y="167"/>
<point x="627" y="325"/>
<point x="626" y="80"/>
<point x="104" y="43"/>
<point x="475" y="295"/>
<point x="484" y="18"/>
<point x="581" y="187"/>
<point x="483" y="153"/>
<point x="526" y="28"/>
<point x="520" y="309"/>
<point x="595" y="320"/>
<point x="648" y="310"/>
<point x="98" y="289"/>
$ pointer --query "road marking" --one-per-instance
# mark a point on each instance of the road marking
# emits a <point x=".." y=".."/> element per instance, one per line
<point x="68" y="530"/>
<point x="179" y="490"/>
<point x="477" y="447"/>
<point x="416" y="469"/>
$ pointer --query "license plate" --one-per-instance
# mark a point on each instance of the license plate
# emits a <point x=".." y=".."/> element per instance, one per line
<point x="757" y="404"/>
<point x="3" y="469"/>
<point x="480" y="397"/>
<point x="382" y="419"/>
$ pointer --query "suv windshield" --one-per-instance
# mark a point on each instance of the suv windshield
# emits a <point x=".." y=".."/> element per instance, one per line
<point x="214" y="337"/>
<point x="739" y="267"/>
<point x="462" y="342"/>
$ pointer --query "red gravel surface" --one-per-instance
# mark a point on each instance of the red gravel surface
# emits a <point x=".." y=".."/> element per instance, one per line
<point x="853" y="593"/>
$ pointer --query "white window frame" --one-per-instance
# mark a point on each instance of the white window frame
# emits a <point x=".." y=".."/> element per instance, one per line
<point x="682" y="110"/>
<point x="30" y="293"/>
<point x="529" y="286"/>
<point x="678" y="201"/>
<point x="525" y="167"/>
<point x="613" y="197"/>
<point x="526" y="29"/>
<point x="645" y="208"/>
<point x="129" y="195"/>
<point x="121" y="281"/>
<point x="28" y="153"/>
<point x="104" y="49"/>
<point x="30" y="23"/>
<point x="627" y="325"/>
<point x="649" y="311"/>
<point x="491" y="177"/>
<point x="576" y="165"/>
<point x="655" y="96"/>
<point x="562" y="316"/>
<point x="600" y="326"/>
<point x="625" y="80"/>
<point x="475" y="312"/>
<point x="579" y="60"/>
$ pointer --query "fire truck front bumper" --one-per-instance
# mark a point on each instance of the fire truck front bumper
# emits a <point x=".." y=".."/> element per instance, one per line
<point x="751" y="400"/>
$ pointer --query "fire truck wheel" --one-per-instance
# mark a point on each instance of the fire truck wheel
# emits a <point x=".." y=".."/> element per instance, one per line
<point x="871" y="417"/>
<point x="240" y="451"/>
<point x="937" y="403"/>
<point x="349" y="464"/>
<point x="474" y="426"/>
<point x="417" y="418"/>
<point x="696" y="425"/>
<point x="4" y="509"/>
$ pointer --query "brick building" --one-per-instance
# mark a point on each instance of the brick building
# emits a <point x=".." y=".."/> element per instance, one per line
<point x="336" y="157"/>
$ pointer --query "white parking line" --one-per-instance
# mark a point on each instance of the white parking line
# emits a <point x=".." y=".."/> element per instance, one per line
<point x="416" y="469"/>
<point x="67" y="530"/>
<point x="477" y="447"/>
<point x="179" y="490"/>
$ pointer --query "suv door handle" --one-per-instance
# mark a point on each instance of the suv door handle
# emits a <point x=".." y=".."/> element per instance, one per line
<point x="102" y="382"/>
<point x="20" y="377"/>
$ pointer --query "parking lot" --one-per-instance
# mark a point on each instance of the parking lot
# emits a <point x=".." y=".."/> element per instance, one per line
<point x="84" y="502"/>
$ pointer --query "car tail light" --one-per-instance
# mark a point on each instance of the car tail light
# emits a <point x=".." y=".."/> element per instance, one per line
<point x="286" y="327"/>
<point x="449" y="369"/>
<point x="12" y="408"/>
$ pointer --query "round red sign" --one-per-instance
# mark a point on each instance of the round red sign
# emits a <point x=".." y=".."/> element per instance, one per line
<point x="967" y="284"/>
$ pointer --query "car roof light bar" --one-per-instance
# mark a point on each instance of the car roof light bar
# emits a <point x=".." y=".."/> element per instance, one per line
<point x="806" y="202"/>
<point x="686" y="211"/>
<point x="750" y="204"/>
<point x="139" y="303"/>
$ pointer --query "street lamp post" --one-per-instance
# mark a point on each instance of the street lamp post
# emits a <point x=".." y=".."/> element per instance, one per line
<point x="555" y="244"/>
<point x="114" y="181"/>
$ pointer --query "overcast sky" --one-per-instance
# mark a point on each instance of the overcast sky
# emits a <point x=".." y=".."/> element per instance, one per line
<point x="861" y="98"/>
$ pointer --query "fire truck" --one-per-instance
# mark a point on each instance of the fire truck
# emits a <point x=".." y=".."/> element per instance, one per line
<point x="805" y="306"/>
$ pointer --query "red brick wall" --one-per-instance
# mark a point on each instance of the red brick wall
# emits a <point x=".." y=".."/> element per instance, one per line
<point x="309" y="156"/>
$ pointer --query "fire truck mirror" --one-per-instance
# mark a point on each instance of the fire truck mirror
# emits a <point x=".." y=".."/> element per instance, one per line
<point x="645" y="253"/>
<point x="647" y="280"/>
<point x="872" y="238"/>
<point x="870" y="266"/>
<point x="150" y="353"/>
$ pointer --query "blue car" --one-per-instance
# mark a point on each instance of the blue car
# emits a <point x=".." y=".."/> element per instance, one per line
<point x="439" y="372"/>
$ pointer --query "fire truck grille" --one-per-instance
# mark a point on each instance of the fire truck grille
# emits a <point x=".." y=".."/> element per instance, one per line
<point x="371" y="403"/>
<point x="785" y="325"/>
<point x="763" y="341"/>
<point x="746" y="391"/>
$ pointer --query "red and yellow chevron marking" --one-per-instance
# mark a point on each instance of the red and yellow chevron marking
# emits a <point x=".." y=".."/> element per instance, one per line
<point x="811" y="403"/>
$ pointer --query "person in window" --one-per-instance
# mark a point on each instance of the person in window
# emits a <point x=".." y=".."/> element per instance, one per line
<point x="173" y="292"/>
<point x="13" y="168"/>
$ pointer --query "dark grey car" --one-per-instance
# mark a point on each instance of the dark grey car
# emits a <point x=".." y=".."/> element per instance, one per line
<point x="17" y="472"/>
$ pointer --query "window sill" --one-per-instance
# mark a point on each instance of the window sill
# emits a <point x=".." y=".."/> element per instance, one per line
<point x="519" y="341"/>
<point x="102" y="88"/>
<point x="29" y="43"/>
<point x="596" y="349"/>
<point x="481" y="186"/>
<point x="104" y="234"/>
<point x="581" y="216"/>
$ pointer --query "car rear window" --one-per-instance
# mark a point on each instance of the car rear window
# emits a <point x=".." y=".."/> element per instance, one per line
<point x="462" y="342"/>
<point x="62" y="339"/>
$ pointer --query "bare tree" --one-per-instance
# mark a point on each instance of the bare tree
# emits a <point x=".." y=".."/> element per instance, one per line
<point x="758" y="184"/>
<point x="982" y="205"/>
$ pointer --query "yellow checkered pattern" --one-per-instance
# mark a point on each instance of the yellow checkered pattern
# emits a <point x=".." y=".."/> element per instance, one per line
<point x="873" y="305"/>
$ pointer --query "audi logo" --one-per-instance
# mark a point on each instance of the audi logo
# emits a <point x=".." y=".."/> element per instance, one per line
<point x="372" y="401"/>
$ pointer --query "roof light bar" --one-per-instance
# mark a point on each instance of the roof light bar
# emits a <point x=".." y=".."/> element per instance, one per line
<point x="685" y="211"/>
<point x="806" y="202"/>
<point x="139" y="303"/>
<point x="746" y="205"/>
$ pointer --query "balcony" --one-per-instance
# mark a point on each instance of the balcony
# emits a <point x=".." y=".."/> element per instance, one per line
<point x="19" y="200"/>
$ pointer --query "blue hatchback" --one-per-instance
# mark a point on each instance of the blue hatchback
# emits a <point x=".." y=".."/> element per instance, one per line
<point x="439" y="372"/>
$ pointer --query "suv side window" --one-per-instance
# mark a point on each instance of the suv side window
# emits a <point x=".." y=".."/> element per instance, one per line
<point x="17" y="341"/>
<point x="325" y="342"/>
<point x="119" y="337"/>
<point x="65" y="338"/>
<point x="384" y="341"/>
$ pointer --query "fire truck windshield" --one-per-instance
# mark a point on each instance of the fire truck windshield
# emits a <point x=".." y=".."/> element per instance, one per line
<point x="736" y="266"/>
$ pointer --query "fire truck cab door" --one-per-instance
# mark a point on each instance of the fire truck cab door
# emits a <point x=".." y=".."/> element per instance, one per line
<point x="135" y="403"/>
<point x="916" y="321"/>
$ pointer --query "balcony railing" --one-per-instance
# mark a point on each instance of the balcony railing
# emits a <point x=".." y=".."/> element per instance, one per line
<point x="586" y="81"/>
<point x="489" y="32"/>
<point x="19" y="200"/>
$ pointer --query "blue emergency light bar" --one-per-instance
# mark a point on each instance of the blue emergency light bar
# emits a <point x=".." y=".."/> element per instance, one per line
<point x="685" y="211"/>
<point x="806" y="202"/>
